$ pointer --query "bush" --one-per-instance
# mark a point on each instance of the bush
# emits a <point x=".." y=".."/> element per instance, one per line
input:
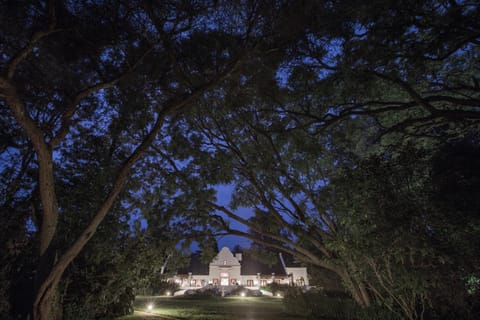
<point x="78" y="311"/>
<point x="295" y="302"/>
<point x="316" y="304"/>
<point x="215" y="291"/>
<point x="110" y="305"/>
<point x="207" y="291"/>
<point x="238" y="290"/>
<point x="123" y="305"/>
<point x="162" y="287"/>
<point x="275" y="288"/>
<point x="467" y="308"/>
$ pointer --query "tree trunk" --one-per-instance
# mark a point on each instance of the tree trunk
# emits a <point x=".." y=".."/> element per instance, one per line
<point x="46" y="184"/>
<point x="356" y="288"/>
<point x="44" y="268"/>
<point x="50" y="271"/>
<point x="43" y="306"/>
<point x="364" y="293"/>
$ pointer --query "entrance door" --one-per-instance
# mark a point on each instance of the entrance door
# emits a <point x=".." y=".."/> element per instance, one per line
<point x="224" y="276"/>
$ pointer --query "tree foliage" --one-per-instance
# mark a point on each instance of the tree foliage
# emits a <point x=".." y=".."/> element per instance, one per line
<point x="403" y="239"/>
<point x="91" y="85"/>
<point x="333" y="121"/>
<point x="376" y="90"/>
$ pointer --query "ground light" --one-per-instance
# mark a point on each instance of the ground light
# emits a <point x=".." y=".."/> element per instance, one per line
<point x="279" y="295"/>
<point x="167" y="293"/>
<point x="150" y="307"/>
<point x="242" y="294"/>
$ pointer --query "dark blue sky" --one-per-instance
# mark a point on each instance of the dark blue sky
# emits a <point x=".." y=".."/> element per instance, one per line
<point x="224" y="194"/>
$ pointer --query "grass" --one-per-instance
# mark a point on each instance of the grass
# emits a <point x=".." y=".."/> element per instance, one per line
<point x="209" y="308"/>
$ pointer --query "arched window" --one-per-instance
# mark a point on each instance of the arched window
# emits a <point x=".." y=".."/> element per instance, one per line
<point x="300" y="282"/>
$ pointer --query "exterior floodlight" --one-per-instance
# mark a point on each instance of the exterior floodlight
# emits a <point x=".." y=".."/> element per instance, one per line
<point x="242" y="294"/>
<point x="150" y="307"/>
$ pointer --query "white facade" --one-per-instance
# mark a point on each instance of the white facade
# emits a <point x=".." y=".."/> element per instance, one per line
<point x="226" y="269"/>
<point x="298" y="275"/>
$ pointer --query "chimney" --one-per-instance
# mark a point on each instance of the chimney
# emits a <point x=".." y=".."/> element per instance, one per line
<point x="283" y="262"/>
<point x="238" y="256"/>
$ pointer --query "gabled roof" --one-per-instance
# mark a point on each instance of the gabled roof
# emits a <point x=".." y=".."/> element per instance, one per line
<point x="251" y="266"/>
<point x="225" y="257"/>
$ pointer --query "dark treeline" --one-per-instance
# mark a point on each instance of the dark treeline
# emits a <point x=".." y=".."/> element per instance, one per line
<point x="349" y="128"/>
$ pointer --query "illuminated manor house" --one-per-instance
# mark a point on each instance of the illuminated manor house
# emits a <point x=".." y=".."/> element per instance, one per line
<point x="228" y="269"/>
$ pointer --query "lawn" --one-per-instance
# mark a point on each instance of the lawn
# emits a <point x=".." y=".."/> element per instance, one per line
<point x="230" y="308"/>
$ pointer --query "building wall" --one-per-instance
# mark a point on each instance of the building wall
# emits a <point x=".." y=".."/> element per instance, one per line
<point x="225" y="270"/>
<point x="197" y="281"/>
<point x="225" y="273"/>
<point x="299" y="275"/>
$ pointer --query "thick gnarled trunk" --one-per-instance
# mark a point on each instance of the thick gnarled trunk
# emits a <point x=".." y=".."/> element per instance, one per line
<point x="45" y="138"/>
<point x="46" y="185"/>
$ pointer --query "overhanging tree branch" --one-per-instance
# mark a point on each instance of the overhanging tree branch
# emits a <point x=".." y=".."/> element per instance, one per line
<point x="34" y="40"/>
<point x="174" y="106"/>
<point x="82" y="94"/>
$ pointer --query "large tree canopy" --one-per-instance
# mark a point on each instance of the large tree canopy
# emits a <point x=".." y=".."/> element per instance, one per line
<point x="91" y="85"/>
<point x="410" y="65"/>
<point x="342" y="137"/>
<point x="310" y="110"/>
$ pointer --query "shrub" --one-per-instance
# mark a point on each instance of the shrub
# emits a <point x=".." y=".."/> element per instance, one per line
<point x="295" y="302"/>
<point x="316" y="304"/>
<point x="275" y="288"/>
<point x="162" y="287"/>
<point x="108" y="304"/>
<point x="123" y="305"/>
<point x="238" y="290"/>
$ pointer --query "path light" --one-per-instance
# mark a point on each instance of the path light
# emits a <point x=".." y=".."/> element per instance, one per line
<point x="167" y="293"/>
<point x="279" y="295"/>
<point x="150" y="307"/>
<point x="242" y="294"/>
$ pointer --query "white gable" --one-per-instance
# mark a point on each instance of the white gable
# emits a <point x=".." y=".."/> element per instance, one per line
<point x="225" y="258"/>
